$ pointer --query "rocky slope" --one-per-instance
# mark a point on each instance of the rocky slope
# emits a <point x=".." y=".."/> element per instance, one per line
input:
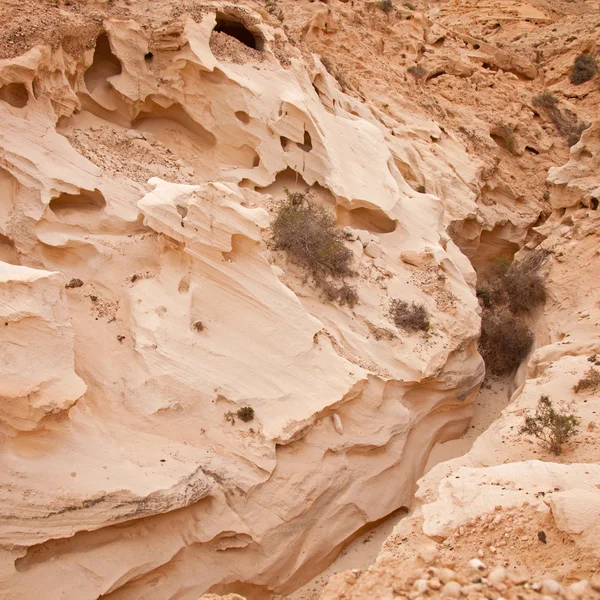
<point x="144" y="149"/>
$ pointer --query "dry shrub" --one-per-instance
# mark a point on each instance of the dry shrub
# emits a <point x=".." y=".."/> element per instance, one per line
<point x="307" y="234"/>
<point x="518" y="287"/>
<point x="417" y="71"/>
<point x="246" y="414"/>
<point x="507" y="291"/>
<point x="567" y="123"/>
<point x="505" y="340"/>
<point x="524" y="289"/>
<point x="412" y="318"/>
<point x="385" y="5"/>
<point x="589" y="382"/>
<point x="546" y="100"/>
<point x="584" y="69"/>
<point x="550" y="426"/>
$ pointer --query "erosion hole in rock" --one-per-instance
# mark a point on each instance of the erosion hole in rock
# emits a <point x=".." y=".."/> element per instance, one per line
<point x="532" y="150"/>
<point x="284" y="142"/>
<point x="492" y="246"/>
<point x="15" y="94"/>
<point x="371" y="219"/>
<point x="288" y="178"/>
<point x="242" y="116"/>
<point x="148" y="56"/>
<point x="236" y="29"/>
<point x="594" y="203"/>
<point x="307" y="144"/>
<point x="104" y="65"/>
<point x="175" y="128"/>
<point x="8" y="252"/>
<point x="182" y="210"/>
<point x="67" y="205"/>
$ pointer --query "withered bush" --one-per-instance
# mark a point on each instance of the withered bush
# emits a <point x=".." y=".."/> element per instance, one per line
<point x="567" y="123"/>
<point x="505" y="340"/>
<point x="410" y="317"/>
<point x="417" y="71"/>
<point x="385" y="5"/>
<point x="584" y="69"/>
<point x="550" y="426"/>
<point x="589" y="382"/>
<point x="524" y="289"/>
<point x="246" y="414"/>
<point x="307" y="234"/>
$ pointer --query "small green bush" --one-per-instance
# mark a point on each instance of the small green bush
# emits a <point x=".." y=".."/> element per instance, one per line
<point x="589" y="382"/>
<point x="412" y="318"/>
<point x="550" y="426"/>
<point x="307" y="234"/>
<point x="584" y="69"/>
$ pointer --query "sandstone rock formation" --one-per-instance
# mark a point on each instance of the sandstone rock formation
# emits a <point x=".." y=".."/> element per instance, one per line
<point x="139" y="176"/>
<point x="144" y="149"/>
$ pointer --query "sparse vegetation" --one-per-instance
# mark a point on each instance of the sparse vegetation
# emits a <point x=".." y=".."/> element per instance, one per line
<point x="584" y="69"/>
<point x="307" y="234"/>
<point x="505" y="294"/>
<point x="74" y="283"/>
<point x="567" y="123"/>
<point x="506" y="133"/>
<point x="246" y="414"/>
<point x="552" y="427"/>
<point x="546" y="100"/>
<point x="410" y="317"/>
<point x="505" y="340"/>
<point x="589" y="382"/>
<point x="385" y="5"/>
<point x="417" y="71"/>
<point x="198" y="326"/>
<point x="410" y="6"/>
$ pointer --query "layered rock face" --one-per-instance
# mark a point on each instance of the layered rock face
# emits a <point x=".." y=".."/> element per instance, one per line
<point x="143" y="306"/>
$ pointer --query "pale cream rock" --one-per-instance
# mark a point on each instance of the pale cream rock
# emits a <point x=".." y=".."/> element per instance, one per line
<point x="37" y="378"/>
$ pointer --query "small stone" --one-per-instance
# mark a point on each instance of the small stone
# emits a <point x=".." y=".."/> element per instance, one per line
<point x="580" y="588"/>
<point x="519" y="575"/>
<point x="421" y="586"/>
<point x="428" y="553"/>
<point x="350" y="234"/>
<point x="551" y="587"/>
<point x="493" y="549"/>
<point x="363" y="236"/>
<point x="446" y="575"/>
<point x="451" y="590"/>
<point x="337" y="423"/>
<point x="595" y="582"/>
<point x="476" y="564"/>
<point x="497" y="576"/>
<point x="480" y="553"/>
<point x="435" y="583"/>
<point x="373" y="250"/>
